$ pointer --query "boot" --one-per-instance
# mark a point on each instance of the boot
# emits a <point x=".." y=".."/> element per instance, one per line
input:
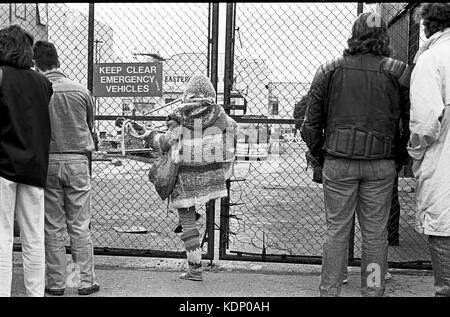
<point x="193" y="273"/>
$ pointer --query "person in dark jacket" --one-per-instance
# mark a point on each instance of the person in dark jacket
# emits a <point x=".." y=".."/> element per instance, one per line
<point x="24" y="150"/>
<point x="352" y="129"/>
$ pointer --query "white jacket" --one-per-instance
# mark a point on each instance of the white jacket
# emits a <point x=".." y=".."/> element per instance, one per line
<point x="429" y="144"/>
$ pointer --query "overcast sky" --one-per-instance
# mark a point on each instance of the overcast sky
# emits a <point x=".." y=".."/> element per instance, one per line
<point x="292" y="38"/>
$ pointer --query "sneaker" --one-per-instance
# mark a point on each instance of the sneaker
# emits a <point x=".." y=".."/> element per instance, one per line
<point x="89" y="290"/>
<point x="387" y="276"/>
<point x="193" y="273"/>
<point x="55" y="291"/>
<point x="345" y="281"/>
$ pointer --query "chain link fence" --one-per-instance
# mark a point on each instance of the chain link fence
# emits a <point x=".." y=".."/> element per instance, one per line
<point x="274" y="211"/>
<point x="175" y="34"/>
<point x="128" y="217"/>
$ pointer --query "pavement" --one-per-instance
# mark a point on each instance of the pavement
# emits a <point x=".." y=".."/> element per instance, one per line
<point x="158" y="277"/>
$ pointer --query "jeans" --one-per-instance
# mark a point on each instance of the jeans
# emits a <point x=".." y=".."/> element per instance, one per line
<point x="346" y="184"/>
<point x="440" y="260"/>
<point x="27" y="203"/>
<point x="68" y="203"/>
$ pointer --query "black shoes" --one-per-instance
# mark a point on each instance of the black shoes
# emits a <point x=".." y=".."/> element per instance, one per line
<point x="81" y="291"/>
<point x="55" y="292"/>
<point x="89" y="290"/>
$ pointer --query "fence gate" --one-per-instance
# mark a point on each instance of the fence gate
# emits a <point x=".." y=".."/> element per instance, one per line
<point x="274" y="212"/>
<point x="128" y="217"/>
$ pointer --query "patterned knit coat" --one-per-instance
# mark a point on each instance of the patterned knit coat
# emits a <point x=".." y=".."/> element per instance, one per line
<point x="203" y="144"/>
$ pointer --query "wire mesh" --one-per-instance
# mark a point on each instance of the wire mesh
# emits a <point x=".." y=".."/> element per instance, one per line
<point x="175" y="34"/>
<point x="127" y="213"/>
<point x="275" y="208"/>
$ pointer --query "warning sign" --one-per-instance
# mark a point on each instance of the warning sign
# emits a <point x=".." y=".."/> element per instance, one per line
<point x="128" y="80"/>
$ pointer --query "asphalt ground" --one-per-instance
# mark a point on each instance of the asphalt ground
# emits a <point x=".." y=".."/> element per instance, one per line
<point x="157" y="277"/>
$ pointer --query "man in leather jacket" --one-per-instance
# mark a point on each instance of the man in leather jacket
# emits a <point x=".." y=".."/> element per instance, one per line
<point x="352" y="128"/>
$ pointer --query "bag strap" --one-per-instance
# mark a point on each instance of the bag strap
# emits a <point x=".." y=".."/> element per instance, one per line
<point x="1" y="75"/>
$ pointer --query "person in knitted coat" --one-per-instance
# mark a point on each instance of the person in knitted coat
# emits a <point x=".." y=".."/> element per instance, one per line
<point x="201" y="140"/>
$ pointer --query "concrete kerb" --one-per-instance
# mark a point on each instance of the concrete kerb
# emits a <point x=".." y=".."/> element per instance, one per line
<point x="103" y="262"/>
<point x="140" y="276"/>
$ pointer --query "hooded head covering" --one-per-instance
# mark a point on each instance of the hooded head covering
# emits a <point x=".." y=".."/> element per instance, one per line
<point x="199" y="88"/>
<point x="198" y="102"/>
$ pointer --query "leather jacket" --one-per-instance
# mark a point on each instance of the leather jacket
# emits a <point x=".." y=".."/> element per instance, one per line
<point x="359" y="109"/>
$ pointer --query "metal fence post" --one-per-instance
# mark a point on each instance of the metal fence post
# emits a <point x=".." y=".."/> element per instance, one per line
<point x="90" y="63"/>
<point x="210" y="217"/>
<point x="229" y="56"/>
<point x="360" y="8"/>
<point x="214" y="44"/>
<point x="90" y="75"/>
<point x="228" y="84"/>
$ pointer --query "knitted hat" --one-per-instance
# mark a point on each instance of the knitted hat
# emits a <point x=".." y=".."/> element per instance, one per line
<point x="199" y="87"/>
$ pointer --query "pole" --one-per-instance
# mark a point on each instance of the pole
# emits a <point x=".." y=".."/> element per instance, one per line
<point x="90" y="61"/>
<point x="214" y="45"/>
<point x="90" y="75"/>
<point x="229" y="56"/>
<point x="227" y="86"/>
<point x="360" y="8"/>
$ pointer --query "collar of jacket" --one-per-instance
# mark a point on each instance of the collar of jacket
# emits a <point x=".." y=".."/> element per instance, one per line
<point x="436" y="38"/>
<point x="54" y="73"/>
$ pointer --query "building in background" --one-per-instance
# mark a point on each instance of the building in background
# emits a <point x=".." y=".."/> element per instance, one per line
<point x="31" y="16"/>
<point x="68" y="30"/>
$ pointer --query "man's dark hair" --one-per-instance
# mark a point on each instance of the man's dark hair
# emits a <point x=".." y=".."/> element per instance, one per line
<point x="16" y="47"/>
<point x="45" y="55"/>
<point x="436" y="16"/>
<point x="369" y="35"/>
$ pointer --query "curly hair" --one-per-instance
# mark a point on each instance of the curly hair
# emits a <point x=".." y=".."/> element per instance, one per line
<point x="16" y="47"/>
<point x="369" y="35"/>
<point x="436" y="16"/>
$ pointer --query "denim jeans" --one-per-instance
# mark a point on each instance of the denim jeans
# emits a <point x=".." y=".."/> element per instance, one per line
<point x="68" y="203"/>
<point x="27" y="203"/>
<point x="440" y="260"/>
<point x="346" y="184"/>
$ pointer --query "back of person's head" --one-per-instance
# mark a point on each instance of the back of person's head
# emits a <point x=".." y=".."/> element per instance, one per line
<point x="16" y="47"/>
<point x="435" y="16"/>
<point x="199" y="87"/>
<point x="45" y="56"/>
<point x="369" y="35"/>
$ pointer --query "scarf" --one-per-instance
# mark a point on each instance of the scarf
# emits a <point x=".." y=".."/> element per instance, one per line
<point x="435" y="38"/>
<point x="198" y="144"/>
